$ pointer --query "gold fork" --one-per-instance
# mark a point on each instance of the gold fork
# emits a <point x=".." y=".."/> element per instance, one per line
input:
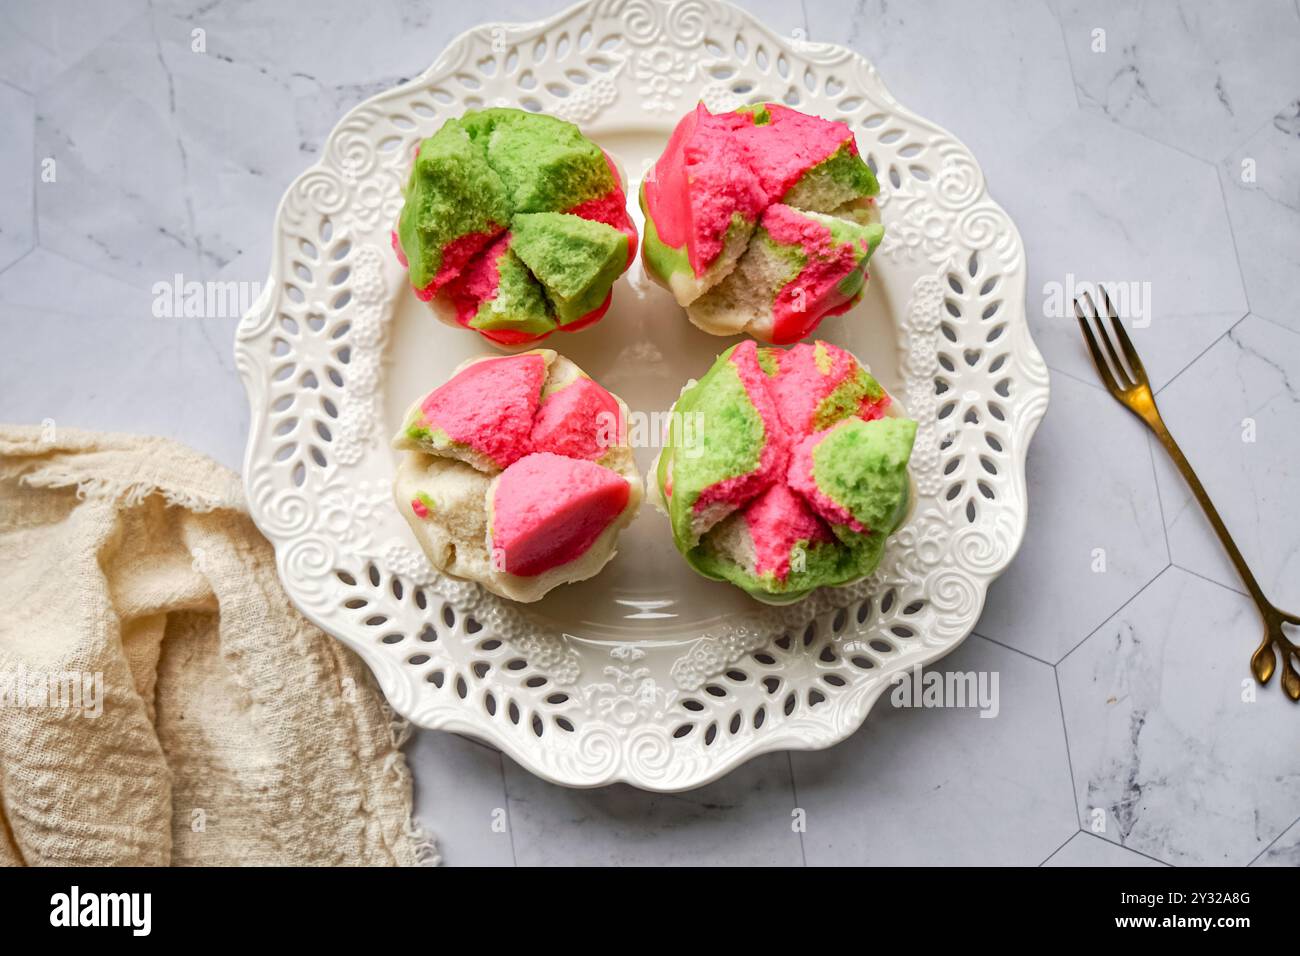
<point x="1132" y="389"/>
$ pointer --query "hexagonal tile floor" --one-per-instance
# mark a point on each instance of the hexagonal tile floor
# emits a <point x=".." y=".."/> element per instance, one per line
<point x="1175" y="752"/>
<point x="1237" y="417"/>
<point x="946" y="786"/>
<point x="1259" y="183"/>
<point x="1095" y="537"/>
<point x="1115" y="193"/>
<point x="1199" y="77"/>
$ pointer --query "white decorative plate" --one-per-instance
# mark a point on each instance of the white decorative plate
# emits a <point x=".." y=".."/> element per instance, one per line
<point x="647" y="673"/>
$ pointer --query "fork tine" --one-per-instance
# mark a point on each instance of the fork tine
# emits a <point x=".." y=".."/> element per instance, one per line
<point x="1097" y="358"/>
<point x="1121" y="373"/>
<point x="1135" y="365"/>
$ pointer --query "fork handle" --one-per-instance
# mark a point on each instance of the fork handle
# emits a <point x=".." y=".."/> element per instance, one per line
<point x="1203" y="497"/>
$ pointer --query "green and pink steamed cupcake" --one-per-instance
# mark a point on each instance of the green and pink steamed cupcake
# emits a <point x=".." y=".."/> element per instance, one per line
<point x="515" y="225"/>
<point x="784" y="470"/>
<point x="517" y="474"/>
<point x="760" y="220"/>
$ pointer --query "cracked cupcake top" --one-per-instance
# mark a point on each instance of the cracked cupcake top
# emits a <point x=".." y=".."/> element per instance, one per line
<point x="760" y="220"/>
<point x="517" y="474"/>
<point x="792" y="477"/>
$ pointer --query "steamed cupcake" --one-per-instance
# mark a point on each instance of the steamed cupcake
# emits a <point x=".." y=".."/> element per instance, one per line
<point x="783" y="471"/>
<point x="515" y="225"/>
<point x="760" y="220"/>
<point x="517" y="474"/>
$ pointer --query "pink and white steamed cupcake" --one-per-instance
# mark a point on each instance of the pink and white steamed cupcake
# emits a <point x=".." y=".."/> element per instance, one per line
<point x="785" y="470"/>
<point x="760" y="220"/>
<point x="517" y="474"/>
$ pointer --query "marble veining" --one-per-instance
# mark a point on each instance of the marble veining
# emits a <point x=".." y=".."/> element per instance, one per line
<point x="1198" y="77"/>
<point x="1175" y="752"/>
<point x="1243" y="444"/>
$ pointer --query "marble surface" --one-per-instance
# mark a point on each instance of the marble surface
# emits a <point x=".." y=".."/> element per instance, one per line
<point x="1126" y="733"/>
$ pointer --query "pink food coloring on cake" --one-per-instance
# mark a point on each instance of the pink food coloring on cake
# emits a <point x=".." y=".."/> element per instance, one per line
<point x="802" y="384"/>
<point x="458" y="253"/>
<point x="738" y="489"/>
<point x="814" y="293"/>
<point x="547" y="510"/>
<point x="592" y="317"/>
<point x="801" y="479"/>
<point x="782" y="150"/>
<point x="777" y="520"/>
<point x="478" y="283"/>
<point x="511" y="336"/>
<point x="580" y="420"/>
<point x="489" y="406"/>
<point x="716" y="167"/>
<point x="419" y="507"/>
<point x="701" y="182"/>
<point x="458" y="256"/>
<point x="873" y="408"/>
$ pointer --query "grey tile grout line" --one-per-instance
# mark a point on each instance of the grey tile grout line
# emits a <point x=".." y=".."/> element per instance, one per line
<point x="1145" y="856"/>
<point x="1222" y="160"/>
<point x="1151" y="139"/>
<point x="1069" y="757"/>
<point x="1200" y="355"/>
<point x="36" y="184"/>
<point x="79" y="315"/>
<point x="794" y="795"/>
<point x="18" y="89"/>
<point x="1232" y="234"/>
<point x="30" y="250"/>
<point x="130" y="284"/>
<point x="1212" y="163"/>
<point x="1285" y="830"/>
<point x="100" y="41"/>
<point x="1077" y="378"/>
<point x="505" y="798"/>
<point x="104" y="38"/>
<point x="1159" y="574"/>
<point x="1014" y="650"/>
<point x="1160" y="501"/>
<point x="35" y="180"/>
<point x="1069" y="62"/>
<point x="1209" y="580"/>
<point x="1067" y="842"/>
<point x="1274" y="322"/>
<point x="1180" y="315"/>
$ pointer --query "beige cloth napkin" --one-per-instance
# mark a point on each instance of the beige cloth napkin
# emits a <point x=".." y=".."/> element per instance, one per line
<point x="229" y="729"/>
